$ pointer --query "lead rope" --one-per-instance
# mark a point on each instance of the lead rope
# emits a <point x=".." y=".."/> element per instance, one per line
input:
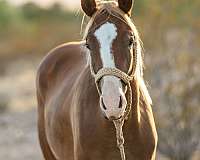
<point x="120" y="138"/>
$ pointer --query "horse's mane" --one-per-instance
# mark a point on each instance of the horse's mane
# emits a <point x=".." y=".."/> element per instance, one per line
<point x="112" y="8"/>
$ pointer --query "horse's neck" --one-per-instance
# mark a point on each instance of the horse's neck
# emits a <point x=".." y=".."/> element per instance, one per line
<point x="135" y="110"/>
<point x="137" y="129"/>
<point x="87" y="89"/>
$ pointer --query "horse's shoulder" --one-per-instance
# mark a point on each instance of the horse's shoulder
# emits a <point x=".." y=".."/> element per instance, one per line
<point x="61" y="55"/>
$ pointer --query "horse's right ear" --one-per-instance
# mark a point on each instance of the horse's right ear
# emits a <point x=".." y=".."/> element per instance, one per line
<point x="126" y="6"/>
<point x="89" y="7"/>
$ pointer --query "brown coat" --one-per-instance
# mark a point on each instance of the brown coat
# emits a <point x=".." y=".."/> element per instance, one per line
<point x="70" y="124"/>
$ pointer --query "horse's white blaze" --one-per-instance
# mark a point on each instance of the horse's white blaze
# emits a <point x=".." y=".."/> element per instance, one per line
<point x="106" y="34"/>
<point x="111" y="87"/>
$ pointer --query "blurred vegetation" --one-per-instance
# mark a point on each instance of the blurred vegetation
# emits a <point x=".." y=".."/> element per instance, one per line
<point x="170" y="31"/>
<point x="30" y="29"/>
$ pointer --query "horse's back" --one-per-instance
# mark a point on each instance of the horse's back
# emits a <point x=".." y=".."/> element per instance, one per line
<point x="65" y="61"/>
<point x="56" y="76"/>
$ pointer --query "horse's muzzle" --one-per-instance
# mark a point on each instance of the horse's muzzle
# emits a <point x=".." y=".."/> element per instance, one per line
<point x="113" y="110"/>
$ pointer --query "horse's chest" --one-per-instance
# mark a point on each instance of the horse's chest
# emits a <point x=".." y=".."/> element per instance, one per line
<point x="101" y="144"/>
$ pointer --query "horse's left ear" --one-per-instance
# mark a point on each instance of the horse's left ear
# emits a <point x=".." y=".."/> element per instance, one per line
<point x="126" y="6"/>
<point x="89" y="7"/>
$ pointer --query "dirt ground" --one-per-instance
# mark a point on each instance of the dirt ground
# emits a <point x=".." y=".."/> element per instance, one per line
<point x="18" y="115"/>
<point x="18" y="136"/>
<point x="18" y="132"/>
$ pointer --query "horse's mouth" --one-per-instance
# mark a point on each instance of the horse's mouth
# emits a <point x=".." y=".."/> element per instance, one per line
<point x="112" y="118"/>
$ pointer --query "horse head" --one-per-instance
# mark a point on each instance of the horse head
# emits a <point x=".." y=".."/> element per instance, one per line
<point x="111" y="40"/>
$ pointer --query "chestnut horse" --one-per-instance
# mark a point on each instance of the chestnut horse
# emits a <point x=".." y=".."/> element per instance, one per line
<point x="77" y="103"/>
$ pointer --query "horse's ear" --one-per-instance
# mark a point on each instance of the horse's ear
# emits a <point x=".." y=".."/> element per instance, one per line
<point x="126" y="6"/>
<point x="89" y="7"/>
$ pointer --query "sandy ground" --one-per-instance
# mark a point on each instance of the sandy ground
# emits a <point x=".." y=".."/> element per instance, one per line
<point x="18" y="136"/>
<point x="18" y="132"/>
<point x="18" y="116"/>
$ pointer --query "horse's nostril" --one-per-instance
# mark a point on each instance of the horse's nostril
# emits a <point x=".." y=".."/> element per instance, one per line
<point x="103" y="105"/>
<point x="120" y="102"/>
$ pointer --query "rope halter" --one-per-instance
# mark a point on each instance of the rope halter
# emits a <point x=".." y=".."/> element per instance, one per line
<point x="122" y="76"/>
<point x="119" y="122"/>
<point x="126" y="78"/>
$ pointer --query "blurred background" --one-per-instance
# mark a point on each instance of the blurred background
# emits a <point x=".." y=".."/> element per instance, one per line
<point x="170" y="31"/>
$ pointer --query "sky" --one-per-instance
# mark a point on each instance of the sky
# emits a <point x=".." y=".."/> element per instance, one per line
<point x="45" y="3"/>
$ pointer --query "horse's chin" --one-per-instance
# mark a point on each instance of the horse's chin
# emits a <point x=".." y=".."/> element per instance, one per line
<point x="111" y="118"/>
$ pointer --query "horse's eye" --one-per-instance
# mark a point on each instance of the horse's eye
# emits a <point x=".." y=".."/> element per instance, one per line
<point x="131" y="42"/>
<point x="87" y="46"/>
